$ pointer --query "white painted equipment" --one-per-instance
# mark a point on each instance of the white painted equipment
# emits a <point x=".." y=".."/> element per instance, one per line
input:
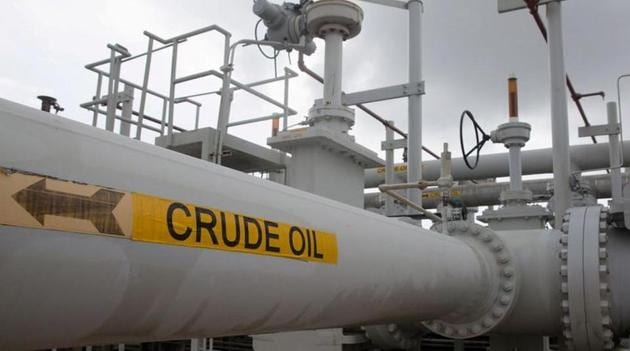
<point x="105" y="239"/>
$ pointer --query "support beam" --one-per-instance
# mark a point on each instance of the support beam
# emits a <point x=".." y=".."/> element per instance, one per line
<point x="414" y="151"/>
<point x="559" y="112"/>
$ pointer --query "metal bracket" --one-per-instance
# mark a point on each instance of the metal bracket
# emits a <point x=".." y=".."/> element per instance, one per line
<point x="394" y="144"/>
<point x="599" y="130"/>
<point x="380" y="94"/>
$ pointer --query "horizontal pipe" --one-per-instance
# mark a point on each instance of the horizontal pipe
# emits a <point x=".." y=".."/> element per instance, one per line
<point x="123" y="119"/>
<point x="256" y="120"/>
<point x="291" y="74"/>
<point x="136" y="113"/>
<point x="487" y="194"/>
<point x="189" y="35"/>
<point x="105" y="61"/>
<point x="68" y="289"/>
<point x="237" y="84"/>
<point x="583" y="158"/>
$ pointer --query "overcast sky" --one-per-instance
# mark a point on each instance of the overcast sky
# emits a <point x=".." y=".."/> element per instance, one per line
<point x="469" y="51"/>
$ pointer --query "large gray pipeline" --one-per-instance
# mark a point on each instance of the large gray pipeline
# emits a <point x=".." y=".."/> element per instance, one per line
<point x="64" y="289"/>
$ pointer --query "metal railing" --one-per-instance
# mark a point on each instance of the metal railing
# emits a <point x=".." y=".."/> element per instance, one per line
<point x="165" y="124"/>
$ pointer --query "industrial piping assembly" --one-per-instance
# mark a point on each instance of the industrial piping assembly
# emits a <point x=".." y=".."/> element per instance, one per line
<point x="108" y="240"/>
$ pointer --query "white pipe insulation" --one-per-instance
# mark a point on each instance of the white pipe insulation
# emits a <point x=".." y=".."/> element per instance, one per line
<point x="65" y="289"/>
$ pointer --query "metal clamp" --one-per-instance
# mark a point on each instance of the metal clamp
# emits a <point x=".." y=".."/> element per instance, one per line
<point x="599" y="130"/>
<point x="394" y="144"/>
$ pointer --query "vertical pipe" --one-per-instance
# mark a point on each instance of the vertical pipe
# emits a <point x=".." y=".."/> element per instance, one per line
<point x="171" y="96"/>
<point x="445" y="173"/>
<point x="198" y="109"/>
<point x="99" y="83"/>
<point x="145" y="86"/>
<point x="285" y="121"/>
<point x="516" y="169"/>
<point x="614" y="147"/>
<point x="559" y="113"/>
<point x="389" y="169"/>
<point x="333" y="69"/>
<point x="414" y="141"/>
<point x="515" y="163"/>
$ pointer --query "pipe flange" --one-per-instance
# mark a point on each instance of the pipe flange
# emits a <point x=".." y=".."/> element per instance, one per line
<point x="492" y="308"/>
<point x="586" y="319"/>
<point x="342" y="13"/>
<point x="334" y="28"/>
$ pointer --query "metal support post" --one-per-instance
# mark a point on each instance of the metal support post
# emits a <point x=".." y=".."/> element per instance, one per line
<point x="197" y="111"/>
<point x="227" y="95"/>
<point x="127" y="112"/>
<point x="389" y="169"/>
<point x="112" y="91"/>
<point x="333" y="69"/>
<point x="145" y="86"/>
<point x="285" y="120"/>
<point x="445" y="183"/>
<point x="559" y="113"/>
<point x="164" y="112"/>
<point x="196" y="345"/>
<point x="615" y="155"/>
<point x="97" y="97"/>
<point x="619" y="79"/>
<point x="414" y="152"/>
<point x="171" y="97"/>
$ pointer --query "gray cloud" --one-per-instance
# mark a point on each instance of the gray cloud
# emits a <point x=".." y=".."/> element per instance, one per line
<point x="469" y="51"/>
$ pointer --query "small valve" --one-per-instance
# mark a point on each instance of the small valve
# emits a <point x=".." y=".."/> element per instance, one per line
<point x="49" y="102"/>
<point x="481" y="139"/>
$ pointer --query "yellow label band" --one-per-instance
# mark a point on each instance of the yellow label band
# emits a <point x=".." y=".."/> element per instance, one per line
<point x="35" y="201"/>
<point x="169" y="222"/>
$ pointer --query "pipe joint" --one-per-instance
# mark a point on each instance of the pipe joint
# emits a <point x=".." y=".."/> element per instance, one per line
<point x="489" y="308"/>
